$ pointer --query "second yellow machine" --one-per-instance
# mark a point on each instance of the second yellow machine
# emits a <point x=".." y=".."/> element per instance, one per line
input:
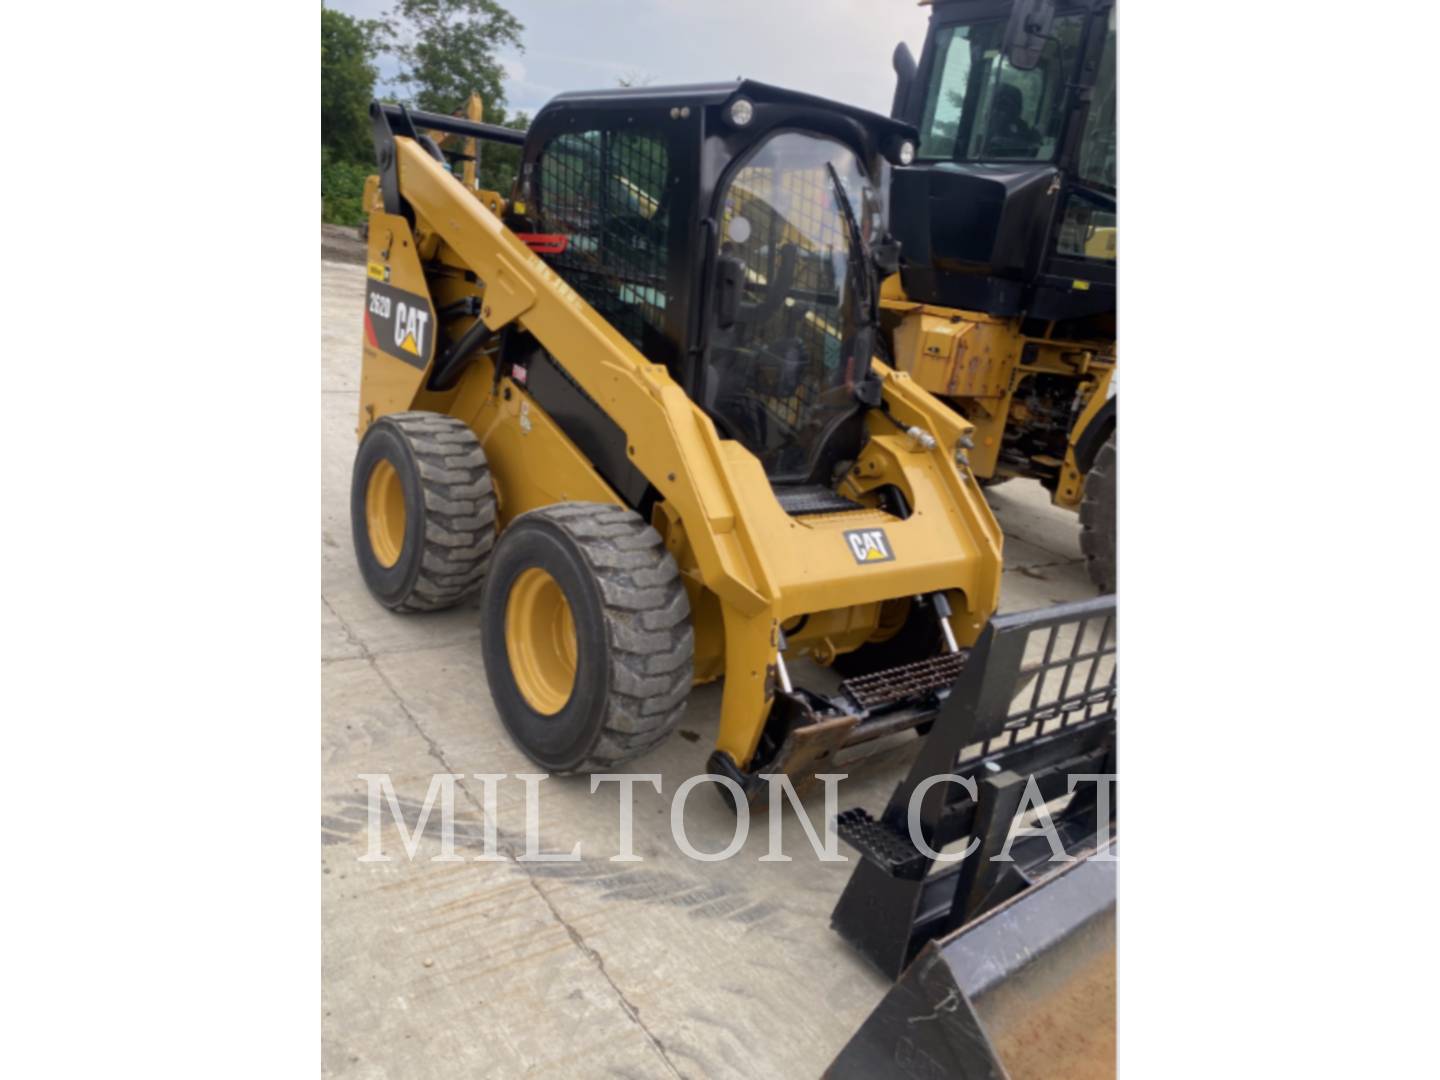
<point x="1005" y="300"/>
<point x="634" y="406"/>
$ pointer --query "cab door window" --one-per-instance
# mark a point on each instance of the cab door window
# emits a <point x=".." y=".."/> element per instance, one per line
<point x="980" y="108"/>
<point x="791" y="338"/>
<point x="1020" y="115"/>
<point x="1097" y="143"/>
<point x="1087" y="229"/>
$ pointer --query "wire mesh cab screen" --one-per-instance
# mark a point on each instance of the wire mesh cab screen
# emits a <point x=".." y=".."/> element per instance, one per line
<point x="604" y="192"/>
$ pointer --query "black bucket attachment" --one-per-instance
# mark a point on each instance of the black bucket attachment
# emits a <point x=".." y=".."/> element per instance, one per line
<point x="1007" y="953"/>
<point x="1027" y="990"/>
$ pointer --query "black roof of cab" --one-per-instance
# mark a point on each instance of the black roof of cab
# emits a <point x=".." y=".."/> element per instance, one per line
<point x="886" y="133"/>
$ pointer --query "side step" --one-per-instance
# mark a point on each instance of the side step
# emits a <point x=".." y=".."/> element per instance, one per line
<point x="800" y="499"/>
<point x="887" y="848"/>
<point x="906" y="682"/>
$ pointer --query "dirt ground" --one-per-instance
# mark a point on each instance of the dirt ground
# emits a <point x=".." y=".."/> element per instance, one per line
<point x="661" y="968"/>
<point x="341" y="243"/>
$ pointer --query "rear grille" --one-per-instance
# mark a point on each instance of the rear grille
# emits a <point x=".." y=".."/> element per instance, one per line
<point x="906" y="682"/>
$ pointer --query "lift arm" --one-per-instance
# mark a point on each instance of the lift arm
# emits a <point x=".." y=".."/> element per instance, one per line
<point x="679" y="452"/>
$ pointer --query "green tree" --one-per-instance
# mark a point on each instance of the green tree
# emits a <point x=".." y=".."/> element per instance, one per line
<point x="449" y="48"/>
<point x="500" y="164"/>
<point x="342" y="189"/>
<point x="347" y="83"/>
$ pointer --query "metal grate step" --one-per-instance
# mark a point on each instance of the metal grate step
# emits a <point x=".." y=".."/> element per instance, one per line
<point x="906" y="681"/>
<point x="800" y="499"/>
<point x="890" y="850"/>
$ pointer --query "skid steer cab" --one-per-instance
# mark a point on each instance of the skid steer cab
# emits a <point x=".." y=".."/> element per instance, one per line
<point x="634" y="407"/>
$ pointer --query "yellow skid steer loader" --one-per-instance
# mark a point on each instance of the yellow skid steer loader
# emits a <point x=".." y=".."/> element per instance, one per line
<point x="634" y="406"/>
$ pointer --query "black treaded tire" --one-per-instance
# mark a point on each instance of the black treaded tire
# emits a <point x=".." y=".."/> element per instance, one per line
<point x="449" y="525"/>
<point x="1097" y="517"/>
<point x="633" y="638"/>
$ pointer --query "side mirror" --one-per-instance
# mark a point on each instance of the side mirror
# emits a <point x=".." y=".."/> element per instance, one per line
<point x="1027" y="32"/>
<point x="903" y="60"/>
<point x="729" y="280"/>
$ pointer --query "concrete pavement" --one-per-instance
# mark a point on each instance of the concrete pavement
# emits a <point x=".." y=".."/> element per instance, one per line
<point x="661" y="968"/>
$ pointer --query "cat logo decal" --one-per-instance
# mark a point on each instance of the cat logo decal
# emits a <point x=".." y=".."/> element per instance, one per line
<point x="869" y="545"/>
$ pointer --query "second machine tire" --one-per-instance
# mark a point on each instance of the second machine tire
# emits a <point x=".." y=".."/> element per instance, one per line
<point x="1097" y="517"/>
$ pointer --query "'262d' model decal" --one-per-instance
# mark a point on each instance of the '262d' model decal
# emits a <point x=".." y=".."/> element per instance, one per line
<point x="869" y="545"/>
<point x="399" y="323"/>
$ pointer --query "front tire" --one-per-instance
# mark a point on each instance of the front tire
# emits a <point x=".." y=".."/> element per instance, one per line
<point x="422" y="511"/>
<point x="1097" y="517"/>
<point x="586" y="636"/>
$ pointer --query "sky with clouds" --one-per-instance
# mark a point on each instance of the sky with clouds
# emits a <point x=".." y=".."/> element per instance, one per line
<point x="837" y="48"/>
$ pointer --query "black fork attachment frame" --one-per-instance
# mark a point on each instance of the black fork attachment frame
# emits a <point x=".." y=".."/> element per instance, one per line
<point x="1034" y="704"/>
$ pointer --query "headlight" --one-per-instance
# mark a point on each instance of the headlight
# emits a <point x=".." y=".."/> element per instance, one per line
<point x="907" y="152"/>
<point x="741" y="112"/>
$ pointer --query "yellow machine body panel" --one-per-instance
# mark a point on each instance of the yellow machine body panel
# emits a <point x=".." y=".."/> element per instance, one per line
<point x="1101" y="243"/>
<point x="400" y="330"/>
<point x="533" y="462"/>
<point x="977" y="362"/>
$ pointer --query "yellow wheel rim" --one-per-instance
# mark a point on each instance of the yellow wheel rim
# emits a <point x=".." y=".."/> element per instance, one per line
<point x="893" y="614"/>
<point x="385" y="513"/>
<point x="540" y="638"/>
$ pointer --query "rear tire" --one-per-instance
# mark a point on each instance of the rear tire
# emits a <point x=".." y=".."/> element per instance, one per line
<point x="600" y="677"/>
<point x="1097" y="517"/>
<point x="422" y="511"/>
